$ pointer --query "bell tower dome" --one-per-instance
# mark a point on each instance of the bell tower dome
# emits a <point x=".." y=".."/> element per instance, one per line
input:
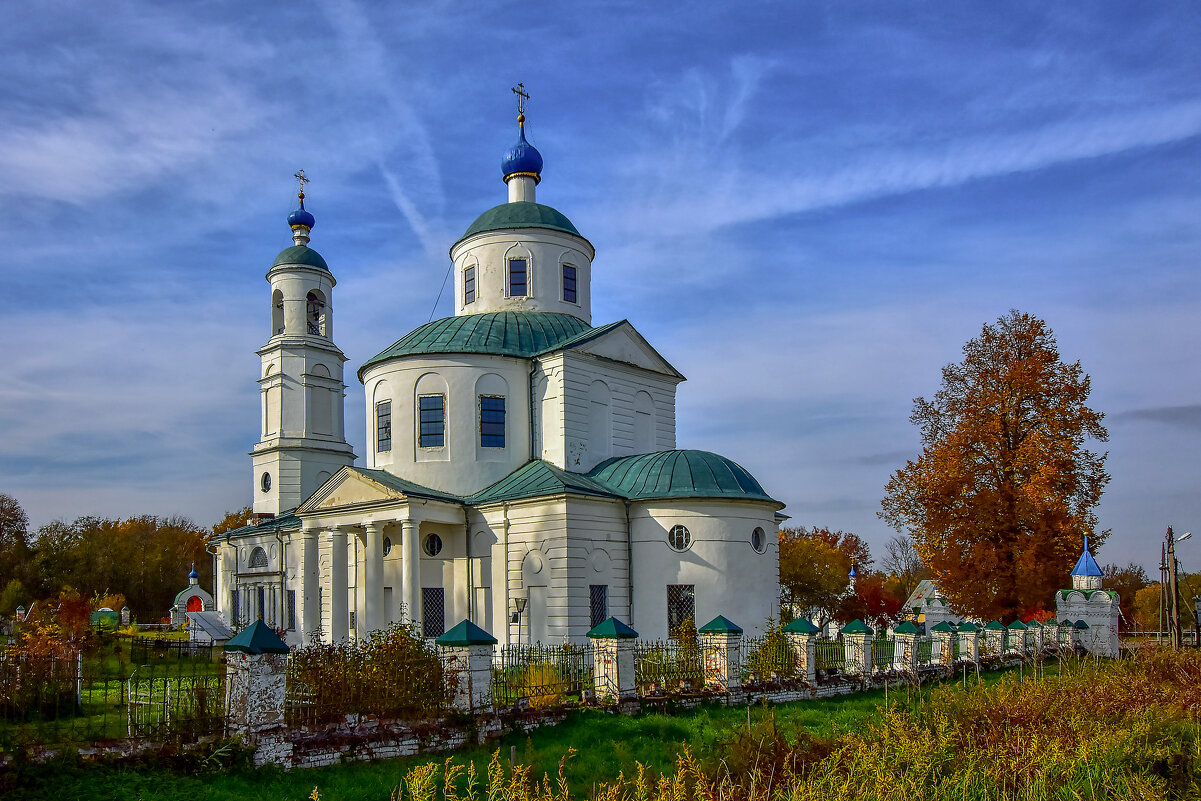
<point x="302" y="440"/>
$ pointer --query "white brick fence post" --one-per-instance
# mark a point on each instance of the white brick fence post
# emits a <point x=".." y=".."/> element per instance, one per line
<point x="720" y="641"/>
<point x="969" y="643"/>
<point x="944" y="635"/>
<point x="904" y="654"/>
<point x="1017" y="644"/>
<point x="613" y="660"/>
<point x="858" y="648"/>
<point x="467" y="651"/>
<point x="994" y="639"/>
<point x="801" y="636"/>
<point x="256" y="666"/>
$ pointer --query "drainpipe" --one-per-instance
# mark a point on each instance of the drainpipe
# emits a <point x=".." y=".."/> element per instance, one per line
<point x="283" y="581"/>
<point x="470" y="567"/>
<point x="505" y="575"/>
<point x="629" y="564"/>
<point x="532" y="415"/>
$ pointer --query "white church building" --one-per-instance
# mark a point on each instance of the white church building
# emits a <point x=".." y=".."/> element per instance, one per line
<point x="521" y="467"/>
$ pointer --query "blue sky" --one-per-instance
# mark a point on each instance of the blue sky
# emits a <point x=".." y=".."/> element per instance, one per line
<point x="807" y="207"/>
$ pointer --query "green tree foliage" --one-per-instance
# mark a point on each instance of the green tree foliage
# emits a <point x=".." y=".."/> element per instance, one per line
<point x="14" y="541"/>
<point x="1126" y="581"/>
<point x="1002" y="495"/>
<point x="1146" y="603"/>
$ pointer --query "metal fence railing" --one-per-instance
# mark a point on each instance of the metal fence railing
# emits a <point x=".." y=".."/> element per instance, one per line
<point x="830" y="653"/>
<point x="883" y="653"/>
<point x="925" y="650"/>
<point x="766" y="659"/>
<point x="667" y="666"/>
<point x="541" y="675"/>
<point x="111" y="691"/>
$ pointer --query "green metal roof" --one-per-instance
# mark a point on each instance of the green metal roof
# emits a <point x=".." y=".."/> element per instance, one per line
<point x="943" y="627"/>
<point x="520" y="214"/>
<point x="536" y="479"/>
<point x="465" y="634"/>
<point x="720" y="625"/>
<point x="969" y="627"/>
<point x="1017" y="625"/>
<point x="856" y="627"/>
<point x="281" y="522"/>
<point x="679" y="474"/>
<point x="905" y="628"/>
<point x="257" y="638"/>
<point x="993" y="625"/>
<point x="518" y="334"/>
<point x="300" y="254"/>
<point x="612" y="629"/>
<point x="801" y="626"/>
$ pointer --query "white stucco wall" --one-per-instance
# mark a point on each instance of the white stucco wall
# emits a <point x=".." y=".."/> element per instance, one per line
<point x="730" y="577"/>
<point x="461" y="466"/>
<point x="1100" y="611"/>
<point x="547" y="251"/>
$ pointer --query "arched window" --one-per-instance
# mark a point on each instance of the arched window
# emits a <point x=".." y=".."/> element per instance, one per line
<point x="469" y="284"/>
<point x="644" y="422"/>
<point x="277" y="312"/>
<point x="569" y="283"/>
<point x="315" y="313"/>
<point x="599" y="430"/>
<point x="258" y="559"/>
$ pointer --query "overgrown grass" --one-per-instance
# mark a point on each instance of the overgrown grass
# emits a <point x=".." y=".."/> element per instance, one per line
<point x="1125" y="729"/>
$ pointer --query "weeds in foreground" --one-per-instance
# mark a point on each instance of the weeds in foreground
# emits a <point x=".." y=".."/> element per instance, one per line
<point x="1128" y="729"/>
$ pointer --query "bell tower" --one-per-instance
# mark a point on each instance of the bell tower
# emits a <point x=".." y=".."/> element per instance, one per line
<point x="302" y="439"/>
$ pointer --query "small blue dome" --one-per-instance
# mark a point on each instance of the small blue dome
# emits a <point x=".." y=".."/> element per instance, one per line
<point x="522" y="158"/>
<point x="193" y="574"/>
<point x="301" y="217"/>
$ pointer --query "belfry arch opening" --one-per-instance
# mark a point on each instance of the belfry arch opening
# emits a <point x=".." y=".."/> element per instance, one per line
<point x="277" y="312"/>
<point x="315" y="313"/>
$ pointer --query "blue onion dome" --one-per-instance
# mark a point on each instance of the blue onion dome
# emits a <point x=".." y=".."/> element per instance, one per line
<point x="301" y="216"/>
<point x="193" y="574"/>
<point x="522" y="158"/>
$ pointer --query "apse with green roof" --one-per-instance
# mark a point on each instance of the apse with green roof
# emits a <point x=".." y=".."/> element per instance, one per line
<point x="521" y="469"/>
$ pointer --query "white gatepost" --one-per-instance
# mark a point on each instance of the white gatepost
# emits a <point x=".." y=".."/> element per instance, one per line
<point x="904" y="653"/>
<point x="801" y="636"/>
<point x="613" y="660"/>
<point x="858" y="648"/>
<point x="467" y="660"/>
<point x="720" y="641"/>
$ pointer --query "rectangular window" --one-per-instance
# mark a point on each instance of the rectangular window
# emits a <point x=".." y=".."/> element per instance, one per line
<point x="291" y="610"/>
<point x="492" y="421"/>
<point x="433" y="611"/>
<point x="569" y="283"/>
<point x="681" y="607"/>
<point x="235" y="610"/>
<point x="262" y="602"/>
<point x="517" y="283"/>
<point x="469" y="285"/>
<point x="431" y="422"/>
<point x="383" y="426"/>
<point x="598" y="604"/>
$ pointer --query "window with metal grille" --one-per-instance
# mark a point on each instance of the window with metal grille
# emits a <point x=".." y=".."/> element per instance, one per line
<point x="291" y="610"/>
<point x="679" y="538"/>
<point x="383" y="426"/>
<point x="681" y="605"/>
<point x="469" y="285"/>
<point x="569" y="283"/>
<point x="598" y="604"/>
<point x="431" y="422"/>
<point x="433" y="611"/>
<point x="262" y="603"/>
<point x="517" y="281"/>
<point x="258" y="559"/>
<point x="235" y="607"/>
<point x="492" y="421"/>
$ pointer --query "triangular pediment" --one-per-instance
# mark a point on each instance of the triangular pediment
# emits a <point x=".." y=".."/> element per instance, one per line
<point x="621" y="342"/>
<point x="348" y="487"/>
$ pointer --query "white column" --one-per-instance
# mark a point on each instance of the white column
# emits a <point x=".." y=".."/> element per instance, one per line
<point x="411" y="554"/>
<point x="339" y="629"/>
<point x="374" y="615"/>
<point x="310" y="584"/>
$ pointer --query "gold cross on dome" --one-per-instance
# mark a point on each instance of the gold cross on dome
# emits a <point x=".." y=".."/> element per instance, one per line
<point x="522" y="96"/>
<point x="299" y="176"/>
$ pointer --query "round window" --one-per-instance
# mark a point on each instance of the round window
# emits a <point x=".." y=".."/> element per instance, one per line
<point x="265" y="482"/>
<point x="387" y="545"/>
<point x="758" y="540"/>
<point x="679" y="538"/>
<point x="433" y="545"/>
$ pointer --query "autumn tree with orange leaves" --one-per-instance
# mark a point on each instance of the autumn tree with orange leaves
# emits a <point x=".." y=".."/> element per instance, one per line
<point x="1001" y="497"/>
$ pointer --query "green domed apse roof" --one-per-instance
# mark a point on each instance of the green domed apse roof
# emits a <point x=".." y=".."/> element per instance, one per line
<point x="678" y="474"/>
<point x="519" y="334"/>
<point x="520" y="214"/>
<point x="300" y="254"/>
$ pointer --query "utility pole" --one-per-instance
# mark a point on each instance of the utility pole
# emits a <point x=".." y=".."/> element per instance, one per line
<point x="1163" y="590"/>
<point x="1173" y="595"/>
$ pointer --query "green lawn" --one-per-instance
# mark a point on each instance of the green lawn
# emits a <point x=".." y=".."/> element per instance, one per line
<point x="605" y="744"/>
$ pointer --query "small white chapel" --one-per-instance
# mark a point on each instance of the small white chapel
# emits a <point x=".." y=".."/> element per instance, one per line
<point x="521" y="468"/>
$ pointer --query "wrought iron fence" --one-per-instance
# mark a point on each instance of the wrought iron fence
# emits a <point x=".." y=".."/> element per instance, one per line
<point x="767" y="659"/>
<point x="925" y="650"/>
<point x="883" y="653"/>
<point x="830" y="654"/>
<point x="540" y="675"/>
<point x="109" y="692"/>
<point x="667" y="666"/>
<point x="393" y="674"/>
